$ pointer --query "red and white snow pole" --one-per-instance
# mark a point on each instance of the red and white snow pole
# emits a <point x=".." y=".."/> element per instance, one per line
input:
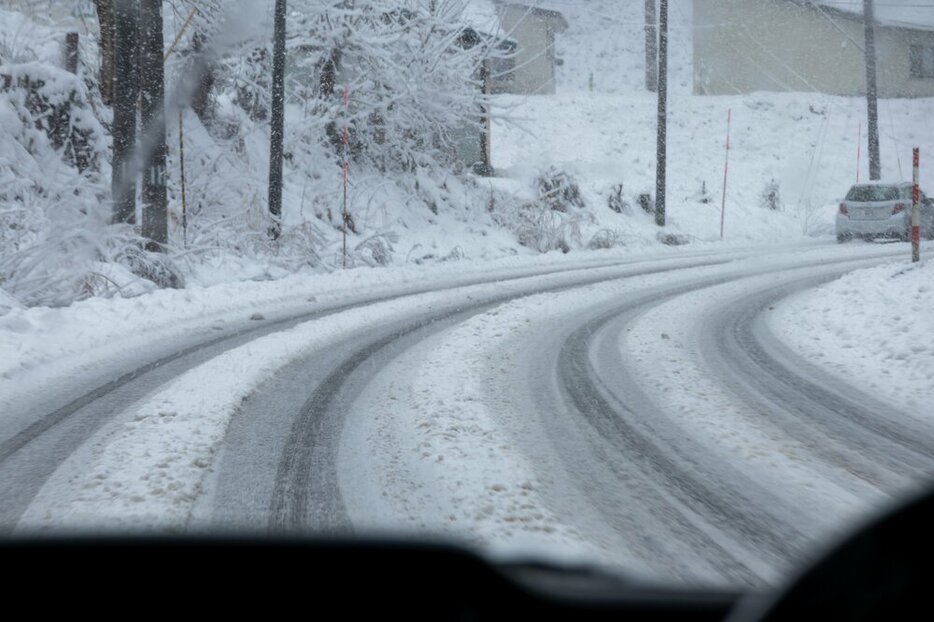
<point x="915" y="209"/>
<point x="726" y="168"/>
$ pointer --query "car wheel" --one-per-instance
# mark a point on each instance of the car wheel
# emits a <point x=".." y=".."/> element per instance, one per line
<point x="844" y="237"/>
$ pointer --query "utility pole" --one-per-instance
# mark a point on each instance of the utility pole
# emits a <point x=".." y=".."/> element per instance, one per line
<point x="662" y="147"/>
<point x="125" y="92"/>
<point x="277" y="120"/>
<point x="651" y="48"/>
<point x="872" y="102"/>
<point x="152" y="118"/>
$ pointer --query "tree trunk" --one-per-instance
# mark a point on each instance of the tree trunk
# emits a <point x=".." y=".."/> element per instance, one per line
<point x="651" y="48"/>
<point x="662" y="145"/>
<point x="204" y="81"/>
<point x="71" y="52"/>
<point x="872" y="101"/>
<point x="105" y="20"/>
<point x="125" y="93"/>
<point x="277" y="119"/>
<point x="152" y="116"/>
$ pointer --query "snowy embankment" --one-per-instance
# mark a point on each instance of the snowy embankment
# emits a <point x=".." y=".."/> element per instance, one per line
<point x="805" y="142"/>
<point x="874" y="328"/>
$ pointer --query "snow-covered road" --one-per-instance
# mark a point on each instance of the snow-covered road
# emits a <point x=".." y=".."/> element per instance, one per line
<point x="638" y="412"/>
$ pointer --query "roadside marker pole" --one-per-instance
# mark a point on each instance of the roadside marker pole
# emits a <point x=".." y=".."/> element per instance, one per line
<point x="726" y="168"/>
<point x="915" y="209"/>
<point x="859" y="141"/>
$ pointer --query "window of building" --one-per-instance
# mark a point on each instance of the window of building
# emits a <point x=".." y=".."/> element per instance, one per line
<point x="922" y="61"/>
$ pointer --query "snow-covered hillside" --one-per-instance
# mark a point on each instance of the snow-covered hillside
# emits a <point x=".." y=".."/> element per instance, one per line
<point x="806" y="142"/>
<point x="598" y="131"/>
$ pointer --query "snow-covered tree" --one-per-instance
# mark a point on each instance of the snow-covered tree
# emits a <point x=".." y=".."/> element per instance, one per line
<point x="403" y="75"/>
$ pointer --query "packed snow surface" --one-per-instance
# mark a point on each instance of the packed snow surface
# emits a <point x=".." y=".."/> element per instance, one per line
<point x="874" y="328"/>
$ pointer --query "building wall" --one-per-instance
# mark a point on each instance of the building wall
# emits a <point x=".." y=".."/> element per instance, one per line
<point x="534" y="63"/>
<point x="774" y="45"/>
<point x="894" y="53"/>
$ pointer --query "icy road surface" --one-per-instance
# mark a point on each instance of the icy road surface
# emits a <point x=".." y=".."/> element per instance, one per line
<point x="636" y="412"/>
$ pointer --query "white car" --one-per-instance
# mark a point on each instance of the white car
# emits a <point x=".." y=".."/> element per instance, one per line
<point x="880" y="209"/>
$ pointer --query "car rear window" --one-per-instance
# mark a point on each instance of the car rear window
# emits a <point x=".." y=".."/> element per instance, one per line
<point x="872" y="193"/>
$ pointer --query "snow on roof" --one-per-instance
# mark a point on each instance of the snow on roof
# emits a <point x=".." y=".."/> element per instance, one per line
<point x="900" y="13"/>
<point x="481" y="15"/>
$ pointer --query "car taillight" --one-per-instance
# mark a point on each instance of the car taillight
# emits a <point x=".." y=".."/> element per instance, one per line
<point x="898" y="207"/>
<point x="843" y="209"/>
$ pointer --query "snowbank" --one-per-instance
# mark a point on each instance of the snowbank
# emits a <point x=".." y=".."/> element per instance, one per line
<point x="873" y="328"/>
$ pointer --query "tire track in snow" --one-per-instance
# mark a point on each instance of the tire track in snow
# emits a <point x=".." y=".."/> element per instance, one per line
<point x="620" y="409"/>
<point x="616" y="415"/>
<point x="305" y="491"/>
<point x="29" y="456"/>
<point x="870" y="438"/>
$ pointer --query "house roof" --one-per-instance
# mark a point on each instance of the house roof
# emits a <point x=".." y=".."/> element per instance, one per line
<point x="539" y="9"/>
<point x="910" y="14"/>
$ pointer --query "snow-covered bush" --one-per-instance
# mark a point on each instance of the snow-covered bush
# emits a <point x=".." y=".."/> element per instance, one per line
<point x="770" y="197"/>
<point x="56" y="242"/>
<point x="606" y="238"/>
<point x="376" y="250"/>
<point x="53" y="187"/>
<point x="558" y="190"/>
<point x="251" y="83"/>
<point x="616" y="201"/>
<point x="647" y="203"/>
<point x="540" y="227"/>
<point x="673" y="239"/>
<point x="56" y="103"/>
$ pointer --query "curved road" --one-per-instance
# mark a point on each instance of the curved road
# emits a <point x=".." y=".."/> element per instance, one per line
<point x="701" y="480"/>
